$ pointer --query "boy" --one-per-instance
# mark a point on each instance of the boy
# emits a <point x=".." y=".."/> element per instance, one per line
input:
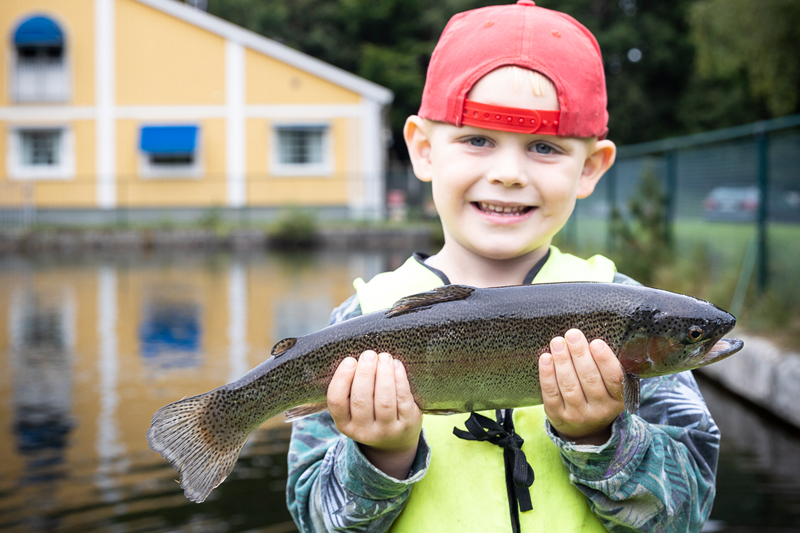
<point x="510" y="133"/>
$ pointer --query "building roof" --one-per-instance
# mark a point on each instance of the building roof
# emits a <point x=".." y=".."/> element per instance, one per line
<point x="273" y="49"/>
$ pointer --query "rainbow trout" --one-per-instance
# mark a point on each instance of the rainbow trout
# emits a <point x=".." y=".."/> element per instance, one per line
<point x="464" y="349"/>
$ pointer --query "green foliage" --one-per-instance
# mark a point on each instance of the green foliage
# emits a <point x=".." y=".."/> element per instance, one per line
<point x="295" y="228"/>
<point x="642" y="245"/>
<point x="760" y="38"/>
<point x="212" y="219"/>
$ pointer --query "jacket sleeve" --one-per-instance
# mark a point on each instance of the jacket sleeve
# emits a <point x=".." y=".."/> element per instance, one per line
<point x="331" y="485"/>
<point x="657" y="471"/>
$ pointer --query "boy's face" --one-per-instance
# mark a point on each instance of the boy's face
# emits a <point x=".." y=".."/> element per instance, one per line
<point x="502" y="195"/>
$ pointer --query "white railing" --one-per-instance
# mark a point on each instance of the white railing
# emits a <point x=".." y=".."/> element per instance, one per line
<point x="17" y="209"/>
<point x="40" y="80"/>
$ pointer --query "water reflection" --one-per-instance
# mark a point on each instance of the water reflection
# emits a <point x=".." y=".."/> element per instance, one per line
<point x="41" y="355"/>
<point x="91" y="347"/>
<point x="758" y="485"/>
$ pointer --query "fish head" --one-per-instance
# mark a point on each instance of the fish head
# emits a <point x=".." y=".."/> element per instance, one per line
<point x="681" y="333"/>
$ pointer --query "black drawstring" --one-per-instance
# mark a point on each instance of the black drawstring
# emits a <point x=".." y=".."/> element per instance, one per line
<point x="519" y="474"/>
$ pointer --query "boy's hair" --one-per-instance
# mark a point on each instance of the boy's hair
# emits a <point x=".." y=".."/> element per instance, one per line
<point x="553" y="44"/>
<point x="523" y="79"/>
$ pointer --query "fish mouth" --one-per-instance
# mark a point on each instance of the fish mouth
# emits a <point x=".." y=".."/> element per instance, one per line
<point x="722" y="348"/>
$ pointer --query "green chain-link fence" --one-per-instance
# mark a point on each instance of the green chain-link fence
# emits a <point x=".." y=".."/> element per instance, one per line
<point x="715" y="184"/>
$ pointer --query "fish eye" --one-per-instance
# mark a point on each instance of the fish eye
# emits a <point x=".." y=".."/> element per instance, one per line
<point x="694" y="334"/>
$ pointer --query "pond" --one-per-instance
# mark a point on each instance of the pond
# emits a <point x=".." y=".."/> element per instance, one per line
<point x="91" y="347"/>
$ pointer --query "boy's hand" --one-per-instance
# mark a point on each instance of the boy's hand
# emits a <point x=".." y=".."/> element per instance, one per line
<point x="581" y="388"/>
<point x="370" y="400"/>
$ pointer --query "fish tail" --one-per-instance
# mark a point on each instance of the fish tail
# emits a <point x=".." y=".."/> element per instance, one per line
<point x="201" y="446"/>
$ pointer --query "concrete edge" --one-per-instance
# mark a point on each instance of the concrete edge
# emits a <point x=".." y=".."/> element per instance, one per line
<point x="762" y="374"/>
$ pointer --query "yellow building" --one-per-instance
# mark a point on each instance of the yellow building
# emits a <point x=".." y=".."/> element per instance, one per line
<point x="157" y="108"/>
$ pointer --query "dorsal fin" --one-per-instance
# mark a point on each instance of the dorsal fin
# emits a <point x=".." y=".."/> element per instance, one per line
<point x="283" y="345"/>
<point x="424" y="300"/>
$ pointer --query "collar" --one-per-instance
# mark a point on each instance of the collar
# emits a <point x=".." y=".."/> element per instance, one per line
<point x="422" y="257"/>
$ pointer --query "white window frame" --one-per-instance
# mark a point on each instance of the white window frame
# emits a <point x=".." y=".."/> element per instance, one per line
<point x="193" y="170"/>
<point x="278" y="169"/>
<point x="65" y="170"/>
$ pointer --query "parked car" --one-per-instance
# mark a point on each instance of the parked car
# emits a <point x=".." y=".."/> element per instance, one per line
<point x="741" y="204"/>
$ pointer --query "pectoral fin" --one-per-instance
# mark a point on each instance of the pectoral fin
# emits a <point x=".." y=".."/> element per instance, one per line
<point x="630" y="392"/>
<point x="424" y="300"/>
<point x="302" y="411"/>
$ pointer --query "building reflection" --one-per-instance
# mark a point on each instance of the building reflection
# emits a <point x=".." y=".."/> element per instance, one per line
<point x="170" y="333"/>
<point x="90" y="349"/>
<point x="41" y="354"/>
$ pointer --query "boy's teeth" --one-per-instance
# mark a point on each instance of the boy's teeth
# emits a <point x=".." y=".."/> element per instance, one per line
<point x="500" y="209"/>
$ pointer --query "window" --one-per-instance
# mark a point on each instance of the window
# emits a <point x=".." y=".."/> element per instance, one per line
<point x="40" y="68"/>
<point x="301" y="150"/>
<point x="169" y="151"/>
<point x="40" y="147"/>
<point x="41" y="152"/>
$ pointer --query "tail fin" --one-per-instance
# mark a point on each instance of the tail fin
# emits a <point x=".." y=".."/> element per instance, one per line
<point x="197" y="442"/>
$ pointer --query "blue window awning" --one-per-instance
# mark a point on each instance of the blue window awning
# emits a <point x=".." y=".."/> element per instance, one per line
<point x="168" y="139"/>
<point x="38" y="31"/>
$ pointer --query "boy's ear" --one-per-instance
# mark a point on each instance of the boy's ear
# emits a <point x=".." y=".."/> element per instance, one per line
<point x="417" y="136"/>
<point x="599" y="159"/>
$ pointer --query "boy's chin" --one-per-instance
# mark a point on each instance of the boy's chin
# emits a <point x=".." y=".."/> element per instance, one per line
<point x="510" y="252"/>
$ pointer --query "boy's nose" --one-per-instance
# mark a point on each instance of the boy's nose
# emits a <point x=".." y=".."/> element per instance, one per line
<point x="507" y="170"/>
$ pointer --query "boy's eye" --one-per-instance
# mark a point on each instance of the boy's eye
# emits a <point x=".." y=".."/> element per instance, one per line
<point x="477" y="141"/>
<point x="542" y="148"/>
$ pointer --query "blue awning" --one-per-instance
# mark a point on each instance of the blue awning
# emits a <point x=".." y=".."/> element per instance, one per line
<point x="39" y="31"/>
<point x="168" y="139"/>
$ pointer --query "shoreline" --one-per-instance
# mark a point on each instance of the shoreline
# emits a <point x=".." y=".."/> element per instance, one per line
<point x="88" y="240"/>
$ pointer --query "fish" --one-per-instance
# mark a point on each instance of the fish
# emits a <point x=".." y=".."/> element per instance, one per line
<point x="464" y="349"/>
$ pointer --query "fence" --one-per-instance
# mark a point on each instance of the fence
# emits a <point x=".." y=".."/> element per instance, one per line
<point x="17" y="210"/>
<point x="179" y="199"/>
<point x="734" y="193"/>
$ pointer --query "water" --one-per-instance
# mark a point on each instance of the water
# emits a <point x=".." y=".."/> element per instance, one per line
<point x="90" y="347"/>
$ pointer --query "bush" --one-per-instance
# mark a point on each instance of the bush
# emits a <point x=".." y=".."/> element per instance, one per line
<point x="642" y="245"/>
<point x="295" y="228"/>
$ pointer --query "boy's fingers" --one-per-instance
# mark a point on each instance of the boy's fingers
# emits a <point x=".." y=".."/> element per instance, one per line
<point x="339" y="391"/>
<point x="568" y="384"/>
<point x="406" y="407"/>
<point x="362" y="393"/>
<point x="609" y="367"/>
<point x="547" y="381"/>
<point x="385" y="395"/>
<point x="591" y="380"/>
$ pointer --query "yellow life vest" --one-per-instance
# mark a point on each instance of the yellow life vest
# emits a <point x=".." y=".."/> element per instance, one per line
<point x="464" y="489"/>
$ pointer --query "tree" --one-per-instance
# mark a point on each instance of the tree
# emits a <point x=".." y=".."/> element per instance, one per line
<point x="758" y="40"/>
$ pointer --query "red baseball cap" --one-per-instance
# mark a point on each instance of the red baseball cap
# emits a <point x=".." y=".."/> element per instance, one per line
<point x="554" y="44"/>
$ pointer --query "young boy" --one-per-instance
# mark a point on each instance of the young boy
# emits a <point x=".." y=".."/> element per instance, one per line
<point x="510" y="133"/>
